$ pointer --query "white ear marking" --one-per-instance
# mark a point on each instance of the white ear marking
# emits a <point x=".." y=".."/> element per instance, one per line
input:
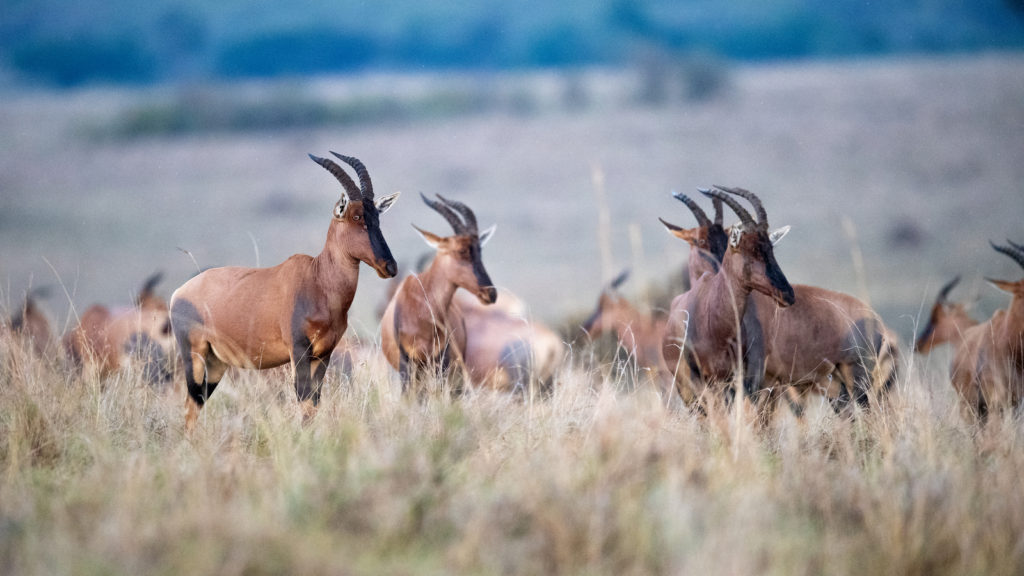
<point x="734" y="236"/>
<point x="340" y="206"/>
<point x="384" y="203"/>
<point x="485" y="236"/>
<point x="778" y="234"/>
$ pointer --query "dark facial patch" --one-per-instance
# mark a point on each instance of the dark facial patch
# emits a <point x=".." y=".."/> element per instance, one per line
<point x="381" y="251"/>
<point x="483" y="280"/>
<point x="771" y="269"/>
<point x="718" y="241"/>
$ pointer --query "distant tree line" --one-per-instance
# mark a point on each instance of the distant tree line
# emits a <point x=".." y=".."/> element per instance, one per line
<point x="173" y="41"/>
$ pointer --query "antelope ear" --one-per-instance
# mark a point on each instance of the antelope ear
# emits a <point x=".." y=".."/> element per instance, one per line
<point x="687" y="235"/>
<point x="486" y="234"/>
<point x="778" y="234"/>
<point x="1004" y="285"/>
<point x="384" y="203"/>
<point x="341" y="206"/>
<point x="432" y="240"/>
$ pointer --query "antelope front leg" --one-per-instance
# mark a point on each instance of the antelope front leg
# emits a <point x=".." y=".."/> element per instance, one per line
<point x="307" y="389"/>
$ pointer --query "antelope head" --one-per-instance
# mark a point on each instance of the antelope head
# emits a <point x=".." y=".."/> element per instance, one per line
<point x="611" y="308"/>
<point x="459" y="257"/>
<point x="1015" y="251"/>
<point x="947" y="321"/>
<point x="356" y="224"/>
<point x="154" y="316"/>
<point x="750" y="255"/>
<point x="708" y="240"/>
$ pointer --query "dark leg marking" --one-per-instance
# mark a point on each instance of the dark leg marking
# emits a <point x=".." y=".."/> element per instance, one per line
<point x="516" y="360"/>
<point x="184" y="317"/>
<point x="752" y="337"/>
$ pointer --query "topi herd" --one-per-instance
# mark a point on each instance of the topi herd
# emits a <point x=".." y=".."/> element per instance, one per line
<point x="741" y="329"/>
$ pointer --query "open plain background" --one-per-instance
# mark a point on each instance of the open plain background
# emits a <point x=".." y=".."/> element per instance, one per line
<point x="915" y="163"/>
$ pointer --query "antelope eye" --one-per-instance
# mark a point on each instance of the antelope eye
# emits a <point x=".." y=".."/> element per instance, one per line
<point x="356" y="217"/>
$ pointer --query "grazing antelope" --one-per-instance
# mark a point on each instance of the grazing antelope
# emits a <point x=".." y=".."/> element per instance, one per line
<point x="106" y="337"/>
<point x="31" y="323"/>
<point x="988" y="366"/>
<point x="505" y="350"/>
<point x="294" y="312"/>
<point x="825" y="337"/>
<point x="703" y="329"/>
<point x="639" y="334"/>
<point x="947" y="323"/>
<point x="420" y="328"/>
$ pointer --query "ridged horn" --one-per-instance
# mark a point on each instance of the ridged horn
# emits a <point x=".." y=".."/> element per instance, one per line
<point x="1016" y="254"/>
<point x="740" y="211"/>
<point x="468" y="216"/>
<point x="449" y="215"/>
<point x="346" y="181"/>
<point x="762" y="214"/>
<point x="702" y="218"/>
<point x="365" y="185"/>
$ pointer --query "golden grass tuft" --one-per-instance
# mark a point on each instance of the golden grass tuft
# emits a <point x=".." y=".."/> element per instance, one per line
<point x="97" y="476"/>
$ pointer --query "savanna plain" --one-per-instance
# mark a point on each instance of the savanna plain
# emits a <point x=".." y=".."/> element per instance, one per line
<point x="893" y="174"/>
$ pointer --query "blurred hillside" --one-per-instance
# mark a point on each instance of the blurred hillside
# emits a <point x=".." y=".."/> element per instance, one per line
<point x="68" y="43"/>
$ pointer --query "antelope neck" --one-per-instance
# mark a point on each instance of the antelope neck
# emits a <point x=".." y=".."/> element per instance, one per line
<point x="335" y="272"/>
<point x="437" y="288"/>
<point x="726" y="288"/>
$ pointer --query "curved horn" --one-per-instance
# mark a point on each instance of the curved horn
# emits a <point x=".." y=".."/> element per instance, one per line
<point x="944" y="293"/>
<point x="466" y="213"/>
<point x="449" y="215"/>
<point x="1015" y="245"/>
<point x="619" y="280"/>
<point x="150" y="284"/>
<point x="702" y="218"/>
<point x="346" y="181"/>
<point x="762" y="214"/>
<point x="718" y="210"/>
<point x="740" y="211"/>
<point x="365" y="185"/>
<point x="1017" y="255"/>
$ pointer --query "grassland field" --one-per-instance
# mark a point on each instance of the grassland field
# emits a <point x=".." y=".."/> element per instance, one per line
<point x="97" y="476"/>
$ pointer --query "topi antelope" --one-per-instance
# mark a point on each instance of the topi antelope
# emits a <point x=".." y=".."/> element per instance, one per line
<point x="988" y="366"/>
<point x="703" y="330"/>
<point x="947" y="323"/>
<point x="420" y="328"/>
<point x="294" y="312"/>
<point x="639" y="334"/>
<point x="505" y="350"/>
<point x="105" y="338"/>
<point x="824" y="336"/>
<point x="31" y="323"/>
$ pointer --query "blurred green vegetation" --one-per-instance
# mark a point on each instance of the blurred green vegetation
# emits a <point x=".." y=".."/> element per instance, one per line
<point x="68" y="43"/>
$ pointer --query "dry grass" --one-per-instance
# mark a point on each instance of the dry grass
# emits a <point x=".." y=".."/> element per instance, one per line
<point x="98" y="477"/>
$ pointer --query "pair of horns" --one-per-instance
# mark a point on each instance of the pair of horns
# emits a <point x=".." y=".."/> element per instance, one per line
<point x="1014" y="250"/>
<point x="365" y="189"/>
<point x="722" y="193"/>
<point x="457" y="214"/>
<point x="702" y="218"/>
